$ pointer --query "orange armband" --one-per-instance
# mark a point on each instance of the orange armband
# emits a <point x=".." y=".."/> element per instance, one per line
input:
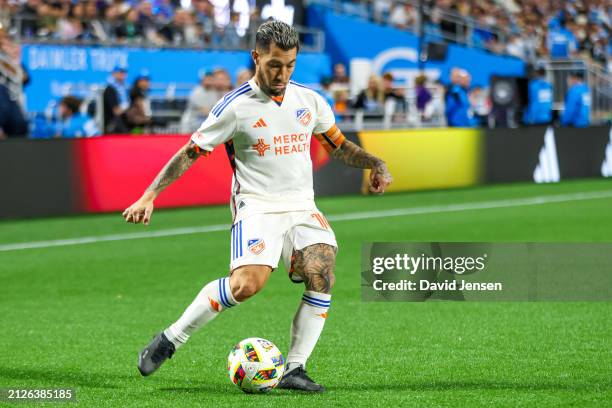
<point x="331" y="139"/>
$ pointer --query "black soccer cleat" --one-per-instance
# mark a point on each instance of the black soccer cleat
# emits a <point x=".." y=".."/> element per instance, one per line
<point x="297" y="379"/>
<point x="153" y="356"/>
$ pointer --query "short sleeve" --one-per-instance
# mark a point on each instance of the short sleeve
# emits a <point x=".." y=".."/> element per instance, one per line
<point x="216" y="130"/>
<point x="325" y="130"/>
<point x="325" y="116"/>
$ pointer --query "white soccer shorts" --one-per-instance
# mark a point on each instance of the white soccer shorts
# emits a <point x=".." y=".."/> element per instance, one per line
<point x="261" y="239"/>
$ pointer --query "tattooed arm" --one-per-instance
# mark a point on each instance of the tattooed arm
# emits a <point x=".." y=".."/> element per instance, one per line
<point x="352" y="155"/>
<point x="142" y="209"/>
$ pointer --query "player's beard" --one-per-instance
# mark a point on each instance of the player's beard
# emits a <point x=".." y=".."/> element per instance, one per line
<point x="275" y="92"/>
<point x="268" y="89"/>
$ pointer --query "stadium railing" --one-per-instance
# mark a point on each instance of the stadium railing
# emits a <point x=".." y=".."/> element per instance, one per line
<point x="599" y="82"/>
<point x="169" y="100"/>
<point x="390" y="116"/>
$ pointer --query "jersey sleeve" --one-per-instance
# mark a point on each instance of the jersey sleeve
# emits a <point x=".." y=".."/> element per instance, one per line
<point x="325" y="130"/>
<point x="216" y="130"/>
<point x="324" y="115"/>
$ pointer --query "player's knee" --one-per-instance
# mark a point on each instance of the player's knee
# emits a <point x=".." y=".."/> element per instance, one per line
<point x="246" y="281"/>
<point x="244" y="289"/>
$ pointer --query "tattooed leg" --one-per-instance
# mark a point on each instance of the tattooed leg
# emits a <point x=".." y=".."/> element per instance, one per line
<point x="315" y="264"/>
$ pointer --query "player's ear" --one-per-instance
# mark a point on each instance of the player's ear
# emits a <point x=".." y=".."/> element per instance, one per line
<point x="255" y="56"/>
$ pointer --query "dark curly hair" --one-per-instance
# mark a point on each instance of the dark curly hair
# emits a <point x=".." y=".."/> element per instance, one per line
<point x="283" y="35"/>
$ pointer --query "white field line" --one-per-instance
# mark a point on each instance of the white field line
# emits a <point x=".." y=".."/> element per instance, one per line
<point x="398" y="212"/>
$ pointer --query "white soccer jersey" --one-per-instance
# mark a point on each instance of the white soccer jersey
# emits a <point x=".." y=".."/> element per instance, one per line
<point x="268" y="145"/>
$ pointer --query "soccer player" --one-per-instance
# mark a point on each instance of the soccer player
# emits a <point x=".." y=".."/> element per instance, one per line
<point x="266" y="125"/>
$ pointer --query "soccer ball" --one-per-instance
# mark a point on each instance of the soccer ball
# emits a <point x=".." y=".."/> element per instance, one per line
<point x="255" y="365"/>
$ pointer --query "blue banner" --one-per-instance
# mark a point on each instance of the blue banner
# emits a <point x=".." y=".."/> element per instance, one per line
<point x="394" y="50"/>
<point x="60" y="70"/>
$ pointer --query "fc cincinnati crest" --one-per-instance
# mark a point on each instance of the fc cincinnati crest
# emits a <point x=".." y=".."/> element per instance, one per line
<point x="256" y="245"/>
<point x="303" y="116"/>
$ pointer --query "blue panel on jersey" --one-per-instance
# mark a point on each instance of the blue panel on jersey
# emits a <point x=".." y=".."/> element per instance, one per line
<point x="221" y="107"/>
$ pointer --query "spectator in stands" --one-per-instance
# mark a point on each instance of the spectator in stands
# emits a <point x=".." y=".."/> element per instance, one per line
<point x="381" y="10"/>
<point x="601" y="45"/>
<point x="223" y="81"/>
<point x="115" y="101"/>
<point x="495" y="45"/>
<point x="482" y="33"/>
<point x="70" y="27"/>
<point x="149" y="23"/>
<point x="561" y="42"/>
<point x="450" y="28"/>
<point x="146" y="16"/>
<point x="141" y="87"/>
<point x="457" y="107"/>
<point x="72" y="122"/>
<point x="113" y="13"/>
<point x="131" y="30"/>
<point x="423" y="97"/>
<point x="372" y="98"/>
<point x="136" y="116"/>
<point x="394" y="98"/>
<point x="342" y="103"/>
<point x="93" y="26"/>
<point x="432" y="25"/>
<point x="577" y="109"/>
<point x="480" y="105"/>
<point x="27" y="16"/>
<point x="181" y="30"/>
<point x="243" y="76"/>
<point x="163" y="11"/>
<point x="228" y="36"/>
<point x="340" y="77"/>
<point x="531" y="42"/>
<point x="203" y="11"/>
<point x="5" y="14"/>
<point x="539" y="100"/>
<point x="516" y="47"/>
<point x="12" y="120"/>
<point x="403" y="16"/>
<point x="12" y="79"/>
<point x="201" y="100"/>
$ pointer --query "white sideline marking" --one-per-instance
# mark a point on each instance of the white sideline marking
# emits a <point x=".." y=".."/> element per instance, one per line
<point x="481" y="205"/>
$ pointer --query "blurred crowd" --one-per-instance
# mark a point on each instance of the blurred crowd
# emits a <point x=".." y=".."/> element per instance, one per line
<point x="467" y="106"/>
<point x="528" y="29"/>
<point x="458" y="102"/>
<point x="153" y="22"/>
<point x="127" y="107"/>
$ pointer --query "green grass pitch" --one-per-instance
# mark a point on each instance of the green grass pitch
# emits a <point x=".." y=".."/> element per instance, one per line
<point x="76" y="316"/>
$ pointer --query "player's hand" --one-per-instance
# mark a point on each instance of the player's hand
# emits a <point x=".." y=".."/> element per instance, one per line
<point x="380" y="178"/>
<point x="140" y="211"/>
